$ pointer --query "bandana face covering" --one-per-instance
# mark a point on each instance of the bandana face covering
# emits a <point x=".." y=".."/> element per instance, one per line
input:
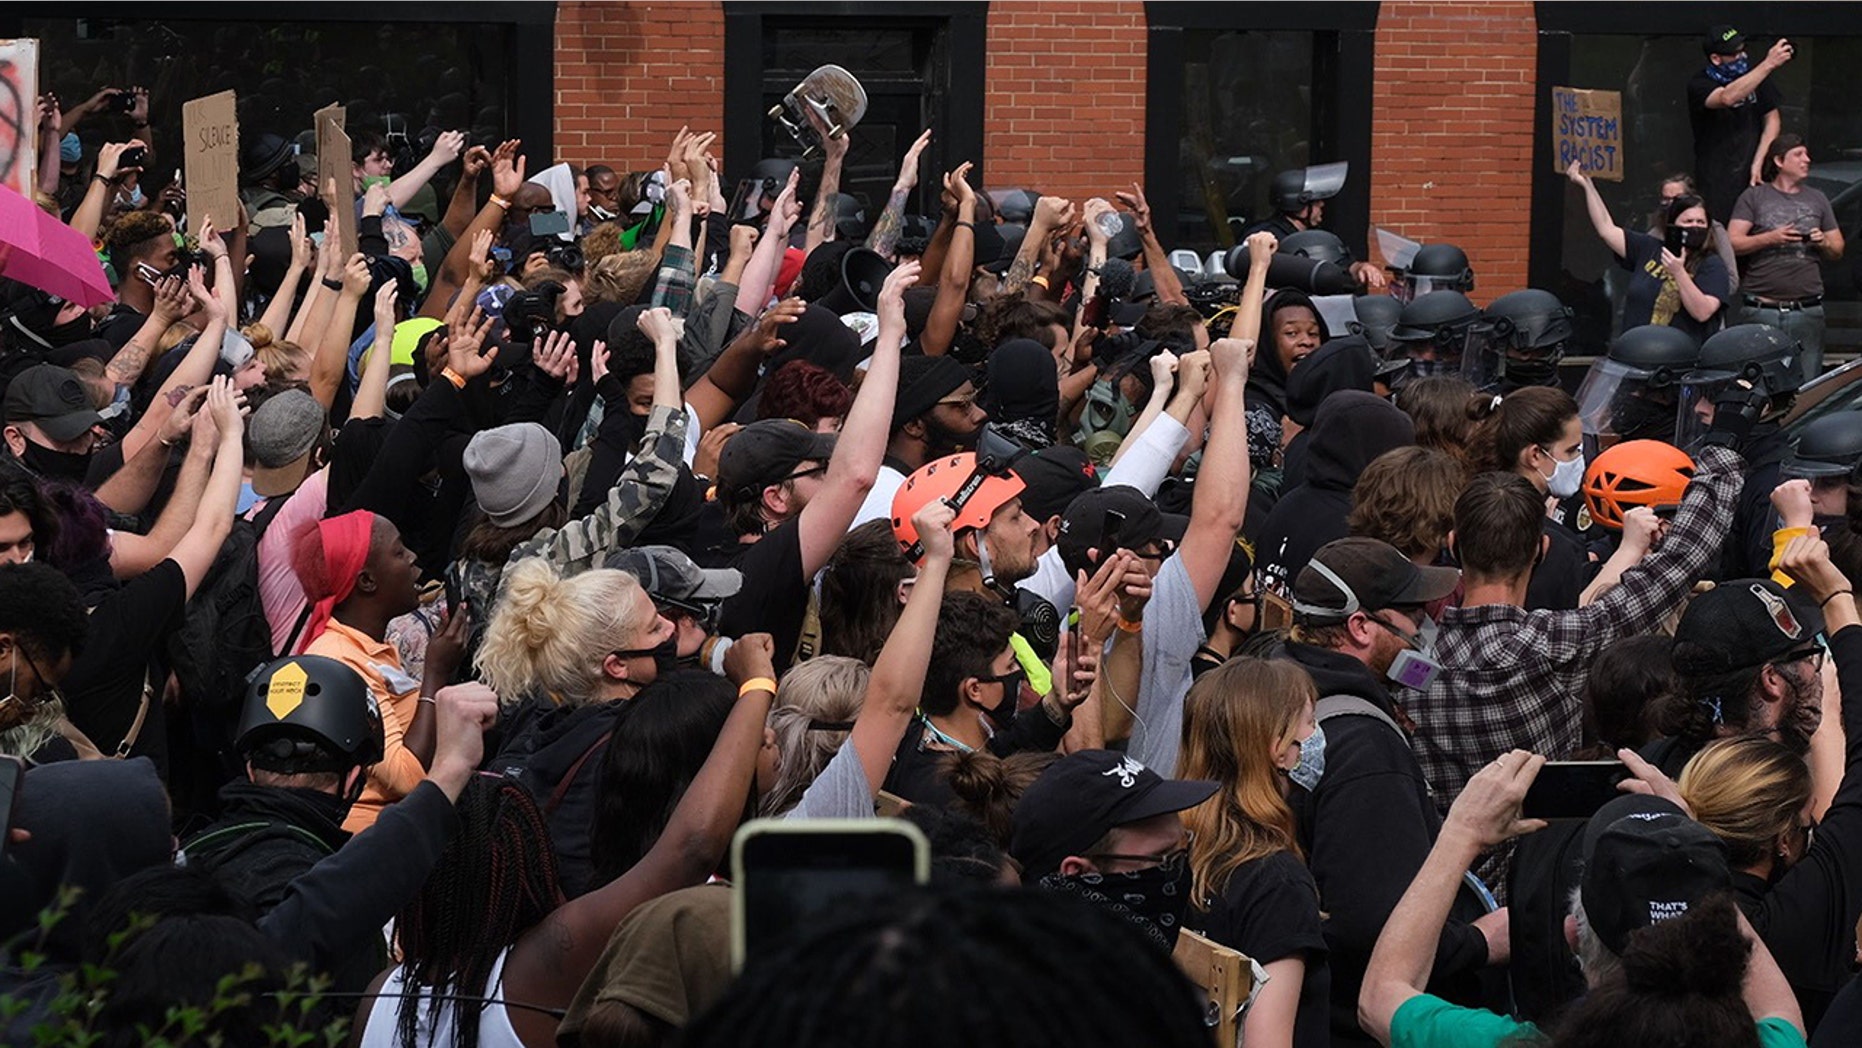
<point x="1151" y="901"/>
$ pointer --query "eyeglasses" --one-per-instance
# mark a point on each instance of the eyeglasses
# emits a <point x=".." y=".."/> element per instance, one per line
<point x="1164" y="549"/>
<point x="1813" y="655"/>
<point x="812" y="471"/>
<point x="1171" y="861"/>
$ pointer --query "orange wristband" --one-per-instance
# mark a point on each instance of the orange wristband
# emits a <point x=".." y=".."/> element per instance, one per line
<point x="757" y="684"/>
<point x="458" y="380"/>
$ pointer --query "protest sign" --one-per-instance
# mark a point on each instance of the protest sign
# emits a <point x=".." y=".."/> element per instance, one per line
<point x="1587" y="127"/>
<point x="335" y="163"/>
<point x="19" y="136"/>
<point x="210" y="126"/>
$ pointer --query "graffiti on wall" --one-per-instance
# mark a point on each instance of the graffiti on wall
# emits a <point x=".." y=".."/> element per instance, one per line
<point x="19" y="87"/>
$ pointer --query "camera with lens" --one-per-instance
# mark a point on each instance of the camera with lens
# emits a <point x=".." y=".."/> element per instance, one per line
<point x="532" y="312"/>
<point x="567" y="257"/>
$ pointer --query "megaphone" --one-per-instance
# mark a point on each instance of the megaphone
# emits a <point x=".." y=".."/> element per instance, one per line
<point x="1296" y="272"/>
<point x="863" y="272"/>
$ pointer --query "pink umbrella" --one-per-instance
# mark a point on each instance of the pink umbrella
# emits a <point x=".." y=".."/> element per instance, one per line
<point x="38" y="250"/>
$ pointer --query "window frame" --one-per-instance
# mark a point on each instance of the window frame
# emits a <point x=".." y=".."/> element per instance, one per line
<point x="529" y="109"/>
<point x="1342" y="112"/>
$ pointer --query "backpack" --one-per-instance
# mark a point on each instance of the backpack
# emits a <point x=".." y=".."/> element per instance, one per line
<point x="224" y="634"/>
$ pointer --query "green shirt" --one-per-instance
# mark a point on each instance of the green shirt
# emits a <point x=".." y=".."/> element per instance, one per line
<point x="1424" y="1021"/>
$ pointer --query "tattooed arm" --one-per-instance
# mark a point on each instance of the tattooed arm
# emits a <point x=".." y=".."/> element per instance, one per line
<point x="885" y="235"/>
<point x="1050" y="213"/>
<point x="821" y="218"/>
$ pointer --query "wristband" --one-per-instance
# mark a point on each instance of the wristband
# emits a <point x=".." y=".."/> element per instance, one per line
<point x="332" y="284"/>
<point x="1041" y="280"/>
<point x="1130" y="627"/>
<point x="757" y="684"/>
<point x="1825" y="601"/>
<point x="501" y="202"/>
<point x="428" y="699"/>
<point x="458" y="380"/>
<point x="971" y="226"/>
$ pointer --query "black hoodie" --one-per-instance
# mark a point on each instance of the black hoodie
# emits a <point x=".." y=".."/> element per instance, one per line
<point x="1346" y="362"/>
<point x="1366" y="829"/>
<point x="1352" y="428"/>
<point x="555" y="752"/>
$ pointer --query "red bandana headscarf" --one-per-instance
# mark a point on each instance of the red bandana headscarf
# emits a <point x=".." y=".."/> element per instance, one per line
<point x="328" y="557"/>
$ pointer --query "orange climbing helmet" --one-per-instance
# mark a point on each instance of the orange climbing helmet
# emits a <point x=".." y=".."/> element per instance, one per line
<point x="1635" y="473"/>
<point x="975" y="494"/>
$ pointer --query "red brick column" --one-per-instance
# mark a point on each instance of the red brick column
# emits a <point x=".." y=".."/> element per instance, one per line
<point x="629" y="74"/>
<point x="1064" y="102"/>
<point x="1451" y="144"/>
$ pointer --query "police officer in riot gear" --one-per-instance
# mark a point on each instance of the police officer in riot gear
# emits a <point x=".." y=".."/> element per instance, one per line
<point x="1754" y="369"/>
<point x="1525" y="334"/>
<point x="1827" y="453"/>
<point x="1298" y="196"/>
<point x="1632" y="394"/>
<point x="1433" y="335"/>
<point x="1435" y="267"/>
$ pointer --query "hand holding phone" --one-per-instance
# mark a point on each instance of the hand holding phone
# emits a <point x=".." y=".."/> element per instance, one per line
<point x="789" y="873"/>
<point x="1573" y="789"/>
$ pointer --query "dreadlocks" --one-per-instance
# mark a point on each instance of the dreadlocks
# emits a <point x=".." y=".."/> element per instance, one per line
<point x="950" y="966"/>
<point x="495" y="880"/>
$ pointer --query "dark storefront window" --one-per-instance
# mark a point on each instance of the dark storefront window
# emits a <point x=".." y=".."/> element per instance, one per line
<point x="1246" y="100"/>
<point x="1652" y="69"/>
<point x="1239" y="92"/>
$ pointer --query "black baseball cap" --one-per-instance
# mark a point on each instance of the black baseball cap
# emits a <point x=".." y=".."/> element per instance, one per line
<point x="1054" y="476"/>
<point x="671" y="577"/>
<point x="1742" y="623"/>
<point x="765" y="452"/>
<point x="1645" y="861"/>
<point x="1082" y="796"/>
<point x="1084" y="524"/>
<point x="1361" y="574"/>
<point x="1723" y="40"/>
<point x="52" y="397"/>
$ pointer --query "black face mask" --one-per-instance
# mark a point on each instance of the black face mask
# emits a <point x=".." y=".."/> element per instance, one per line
<point x="1004" y="712"/>
<point x="71" y="331"/>
<point x="1153" y="900"/>
<point x="1693" y="238"/>
<point x="56" y="465"/>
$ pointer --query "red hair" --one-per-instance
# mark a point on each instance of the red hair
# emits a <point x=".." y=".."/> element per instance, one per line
<point x="804" y="392"/>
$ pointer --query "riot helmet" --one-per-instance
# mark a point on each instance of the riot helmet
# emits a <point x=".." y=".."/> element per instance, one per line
<point x="1318" y="245"/>
<point x="1376" y="316"/>
<point x="849" y="217"/>
<point x="1631" y="393"/>
<point x="1830" y="446"/>
<point x="758" y="190"/>
<point x="1525" y="337"/>
<point x="1435" y="267"/>
<point x="308" y="713"/>
<point x="1295" y="188"/>
<point x="1766" y="357"/>
<point x="1014" y="205"/>
<point x="1433" y="336"/>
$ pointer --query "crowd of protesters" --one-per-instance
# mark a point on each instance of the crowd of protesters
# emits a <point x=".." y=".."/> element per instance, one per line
<point x="429" y="617"/>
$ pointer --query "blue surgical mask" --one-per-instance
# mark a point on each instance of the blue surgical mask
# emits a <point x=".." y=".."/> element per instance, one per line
<point x="1312" y="760"/>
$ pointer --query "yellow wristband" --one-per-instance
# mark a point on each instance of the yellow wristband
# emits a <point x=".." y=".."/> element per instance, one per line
<point x="458" y="380"/>
<point x="501" y="202"/>
<point x="757" y="684"/>
<point x="1041" y="280"/>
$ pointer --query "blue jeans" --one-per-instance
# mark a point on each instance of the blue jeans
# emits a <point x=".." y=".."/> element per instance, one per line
<point x="1805" y="325"/>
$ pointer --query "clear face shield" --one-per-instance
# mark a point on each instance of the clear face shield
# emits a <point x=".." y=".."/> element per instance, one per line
<point x="1445" y="353"/>
<point x="1414" y="286"/>
<point x="1618" y="402"/>
<point x="1695" y="410"/>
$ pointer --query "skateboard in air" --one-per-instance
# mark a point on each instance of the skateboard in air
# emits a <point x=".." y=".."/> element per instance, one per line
<point x="828" y="103"/>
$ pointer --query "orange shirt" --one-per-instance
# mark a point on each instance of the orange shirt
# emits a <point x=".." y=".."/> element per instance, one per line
<point x="397" y="696"/>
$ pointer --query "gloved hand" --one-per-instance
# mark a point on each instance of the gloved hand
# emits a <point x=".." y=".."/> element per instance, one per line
<point x="1735" y="410"/>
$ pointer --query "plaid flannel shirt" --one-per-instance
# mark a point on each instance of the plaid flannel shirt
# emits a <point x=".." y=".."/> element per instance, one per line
<point x="1513" y="678"/>
<point x="676" y="280"/>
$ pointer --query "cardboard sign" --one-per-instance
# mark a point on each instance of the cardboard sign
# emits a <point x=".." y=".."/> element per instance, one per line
<point x="334" y="162"/>
<point x="1587" y="127"/>
<point x="211" y="127"/>
<point x="19" y="138"/>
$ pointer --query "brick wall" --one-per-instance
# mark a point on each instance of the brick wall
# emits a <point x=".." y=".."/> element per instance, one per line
<point x="1064" y="105"/>
<point x="1451" y="145"/>
<point x="1064" y="101"/>
<point x="629" y="74"/>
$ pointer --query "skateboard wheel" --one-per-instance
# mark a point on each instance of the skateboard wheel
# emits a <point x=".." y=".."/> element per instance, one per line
<point x="836" y="131"/>
<point x="775" y="110"/>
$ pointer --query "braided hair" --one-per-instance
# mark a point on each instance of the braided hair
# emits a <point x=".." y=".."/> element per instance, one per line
<point x="958" y="966"/>
<point x="495" y="880"/>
